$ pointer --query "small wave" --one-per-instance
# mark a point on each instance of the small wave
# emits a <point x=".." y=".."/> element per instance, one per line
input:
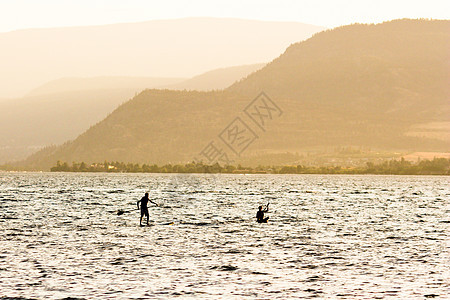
<point x="259" y="273"/>
<point x="197" y="223"/>
<point x="313" y="278"/>
<point x="115" y="191"/>
<point x="224" y="268"/>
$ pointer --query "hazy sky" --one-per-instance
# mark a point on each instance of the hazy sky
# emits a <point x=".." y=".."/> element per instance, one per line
<point x="20" y="14"/>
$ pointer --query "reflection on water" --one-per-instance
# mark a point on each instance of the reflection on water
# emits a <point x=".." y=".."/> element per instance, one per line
<point x="339" y="237"/>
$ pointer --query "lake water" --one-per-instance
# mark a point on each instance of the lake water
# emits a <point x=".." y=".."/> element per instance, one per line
<point x="328" y="237"/>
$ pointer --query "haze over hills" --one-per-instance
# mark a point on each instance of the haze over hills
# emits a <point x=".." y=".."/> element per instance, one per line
<point x="74" y="84"/>
<point x="216" y="79"/>
<point x="30" y="123"/>
<point x="361" y="85"/>
<point x="62" y="109"/>
<point x="164" y="48"/>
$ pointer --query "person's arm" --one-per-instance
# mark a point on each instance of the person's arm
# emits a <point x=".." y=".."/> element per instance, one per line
<point x="267" y="208"/>
<point x="153" y="202"/>
<point x="138" y="203"/>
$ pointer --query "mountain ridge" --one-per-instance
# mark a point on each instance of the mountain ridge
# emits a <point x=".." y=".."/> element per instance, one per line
<point x="372" y="94"/>
<point x="62" y="109"/>
<point x="209" y="80"/>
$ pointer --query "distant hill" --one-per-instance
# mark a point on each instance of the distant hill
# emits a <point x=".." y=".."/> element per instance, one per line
<point x="164" y="48"/>
<point x="62" y="109"/>
<point x="77" y="84"/>
<point x="376" y="85"/>
<point x="381" y="86"/>
<point x="30" y="123"/>
<point x="217" y="79"/>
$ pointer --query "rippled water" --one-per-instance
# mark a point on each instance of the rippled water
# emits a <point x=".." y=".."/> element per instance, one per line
<point x="339" y="237"/>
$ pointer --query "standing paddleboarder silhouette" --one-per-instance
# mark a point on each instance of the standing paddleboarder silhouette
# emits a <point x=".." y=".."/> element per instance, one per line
<point x="144" y="209"/>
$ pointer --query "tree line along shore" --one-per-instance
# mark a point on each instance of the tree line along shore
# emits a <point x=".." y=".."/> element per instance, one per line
<point x="437" y="166"/>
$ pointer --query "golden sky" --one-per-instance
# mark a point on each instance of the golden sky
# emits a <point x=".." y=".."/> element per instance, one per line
<point x="20" y="14"/>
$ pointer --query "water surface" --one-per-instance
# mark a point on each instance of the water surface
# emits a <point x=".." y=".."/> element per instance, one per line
<point x="328" y="237"/>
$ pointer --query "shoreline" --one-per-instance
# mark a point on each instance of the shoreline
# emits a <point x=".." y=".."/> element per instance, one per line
<point x="175" y="173"/>
<point x="437" y="166"/>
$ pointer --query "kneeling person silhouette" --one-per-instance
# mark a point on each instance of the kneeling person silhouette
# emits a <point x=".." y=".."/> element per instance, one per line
<point x="260" y="214"/>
